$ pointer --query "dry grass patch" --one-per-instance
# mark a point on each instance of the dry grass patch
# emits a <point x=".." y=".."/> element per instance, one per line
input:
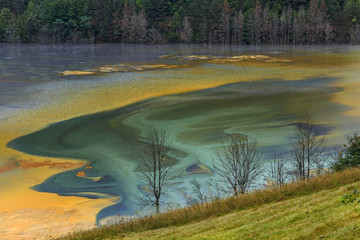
<point x="295" y="214"/>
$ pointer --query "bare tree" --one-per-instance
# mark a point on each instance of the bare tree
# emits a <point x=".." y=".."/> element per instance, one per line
<point x="223" y="31"/>
<point x="215" y="190"/>
<point x="155" y="36"/>
<point x="126" y="24"/>
<point x="266" y="25"/>
<point x="156" y="167"/>
<point x="276" y="172"/>
<point x="275" y="28"/>
<point x="286" y="25"/>
<point x="238" y="23"/>
<point x="196" y="190"/>
<point x="205" y="31"/>
<point x="312" y="20"/>
<point x="355" y="34"/>
<point x="239" y="166"/>
<point x="257" y="24"/>
<point x="308" y="146"/>
<point x="300" y="24"/>
<point x="186" y="31"/>
<point x="140" y="23"/>
<point x="328" y="32"/>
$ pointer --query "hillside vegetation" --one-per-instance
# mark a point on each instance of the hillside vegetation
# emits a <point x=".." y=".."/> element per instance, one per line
<point x="300" y="210"/>
<point x="190" y="21"/>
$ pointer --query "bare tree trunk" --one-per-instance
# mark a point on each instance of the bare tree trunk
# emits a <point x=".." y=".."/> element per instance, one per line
<point x="224" y="24"/>
<point x="307" y="147"/>
<point x="238" y="22"/>
<point x="257" y="23"/>
<point x="196" y="190"/>
<point x="157" y="165"/>
<point x="276" y="173"/>
<point x="186" y="31"/>
<point x="239" y="166"/>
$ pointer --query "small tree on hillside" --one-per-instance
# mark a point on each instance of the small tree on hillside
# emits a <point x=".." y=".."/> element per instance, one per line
<point x="350" y="155"/>
<point x="239" y="166"/>
<point x="276" y="173"/>
<point x="156" y="167"/>
<point x="197" y="192"/>
<point x="308" y="146"/>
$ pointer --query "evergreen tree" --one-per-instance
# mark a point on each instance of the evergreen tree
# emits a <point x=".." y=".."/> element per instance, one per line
<point x="176" y="23"/>
<point x="208" y="21"/>
<point x="5" y="16"/>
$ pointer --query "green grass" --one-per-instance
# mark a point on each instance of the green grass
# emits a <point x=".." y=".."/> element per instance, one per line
<point x="301" y="210"/>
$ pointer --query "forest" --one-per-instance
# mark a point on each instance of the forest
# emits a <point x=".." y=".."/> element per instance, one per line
<point x="180" y="21"/>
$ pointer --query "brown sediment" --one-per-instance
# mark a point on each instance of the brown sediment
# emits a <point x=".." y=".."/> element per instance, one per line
<point x="122" y="68"/>
<point x="81" y="174"/>
<point x="13" y="164"/>
<point x="48" y="163"/>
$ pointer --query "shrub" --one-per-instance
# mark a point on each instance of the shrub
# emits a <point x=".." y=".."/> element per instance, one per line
<point x="350" y="198"/>
<point x="350" y="157"/>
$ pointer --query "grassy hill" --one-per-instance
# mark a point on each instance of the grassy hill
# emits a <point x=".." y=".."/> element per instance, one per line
<point x="301" y="210"/>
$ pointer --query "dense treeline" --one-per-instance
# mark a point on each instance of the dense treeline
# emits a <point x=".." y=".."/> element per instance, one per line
<point x="198" y="21"/>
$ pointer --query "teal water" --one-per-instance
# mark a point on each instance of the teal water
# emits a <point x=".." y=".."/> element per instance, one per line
<point x="197" y="123"/>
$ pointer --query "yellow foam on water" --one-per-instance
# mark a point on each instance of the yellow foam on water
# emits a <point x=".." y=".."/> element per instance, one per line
<point x="67" y="73"/>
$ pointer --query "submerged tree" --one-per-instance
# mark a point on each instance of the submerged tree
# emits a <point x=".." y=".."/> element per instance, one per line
<point x="239" y="166"/>
<point x="308" y="147"/>
<point x="156" y="167"/>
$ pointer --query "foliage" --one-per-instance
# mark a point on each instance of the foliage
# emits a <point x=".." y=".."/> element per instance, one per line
<point x="205" y="21"/>
<point x="5" y="16"/>
<point x="350" y="198"/>
<point x="350" y="156"/>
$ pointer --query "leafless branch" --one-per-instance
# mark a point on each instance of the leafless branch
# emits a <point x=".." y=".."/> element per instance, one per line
<point x="239" y="165"/>
<point x="157" y="165"/>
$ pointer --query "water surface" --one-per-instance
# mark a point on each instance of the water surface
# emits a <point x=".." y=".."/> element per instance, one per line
<point x="96" y="103"/>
